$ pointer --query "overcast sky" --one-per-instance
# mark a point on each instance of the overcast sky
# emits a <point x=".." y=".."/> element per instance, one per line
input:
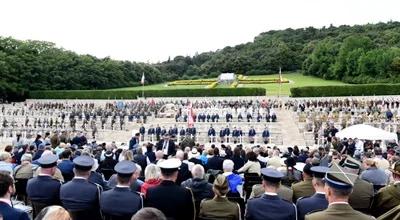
<point x="153" y="30"/>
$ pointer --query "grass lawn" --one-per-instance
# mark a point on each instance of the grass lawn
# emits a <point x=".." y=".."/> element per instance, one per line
<point x="296" y="80"/>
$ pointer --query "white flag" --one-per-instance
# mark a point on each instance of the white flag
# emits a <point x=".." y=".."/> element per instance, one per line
<point x="280" y="75"/>
<point x="142" y="80"/>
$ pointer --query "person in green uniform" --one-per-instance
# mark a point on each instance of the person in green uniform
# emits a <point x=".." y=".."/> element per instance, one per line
<point x="338" y="188"/>
<point x="305" y="187"/>
<point x="389" y="196"/>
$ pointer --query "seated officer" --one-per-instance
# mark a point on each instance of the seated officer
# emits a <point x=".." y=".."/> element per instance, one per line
<point x="270" y="206"/>
<point x="174" y="201"/>
<point x="316" y="202"/>
<point x="128" y="202"/>
<point x="79" y="196"/>
<point x="43" y="190"/>
<point x="338" y="187"/>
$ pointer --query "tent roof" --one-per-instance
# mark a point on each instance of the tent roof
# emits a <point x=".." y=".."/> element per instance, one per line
<point x="366" y="132"/>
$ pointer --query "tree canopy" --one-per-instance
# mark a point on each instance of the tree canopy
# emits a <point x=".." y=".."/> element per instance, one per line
<point x="355" y="54"/>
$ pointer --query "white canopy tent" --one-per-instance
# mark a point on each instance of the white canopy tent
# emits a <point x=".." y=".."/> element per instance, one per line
<point x="366" y="132"/>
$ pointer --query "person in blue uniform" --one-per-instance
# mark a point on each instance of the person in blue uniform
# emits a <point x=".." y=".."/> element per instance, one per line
<point x="211" y="134"/>
<point x="235" y="135"/>
<point x="176" y="202"/>
<point x="120" y="202"/>
<point x="265" y="136"/>
<point x="227" y="132"/>
<point x="151" y="132"/>
<point x="158" y="132"/>
<point x="316" y="202"/>
<point x="252" y="134"/>
<point x="222" y="135"/>
<point x="43" y="190"/>
<point x="79" y="196"/>
<point x="7" y="189"/>
<point x="270" y="206"/>
<point x="142" y="131"/>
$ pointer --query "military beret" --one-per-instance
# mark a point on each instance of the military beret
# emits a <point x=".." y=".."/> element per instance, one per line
<point x="271" y="175"/>
<point x="84" y="163"/>
<point x="125" y="168"/>
<point x="48" y="160"/>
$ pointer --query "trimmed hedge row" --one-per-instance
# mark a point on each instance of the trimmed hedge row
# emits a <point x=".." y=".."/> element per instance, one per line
<point x="346" y="90"/>
<point x="129" y="94"/>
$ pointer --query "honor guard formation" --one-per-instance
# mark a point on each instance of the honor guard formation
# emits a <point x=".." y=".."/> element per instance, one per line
<point x="201" y="159"/>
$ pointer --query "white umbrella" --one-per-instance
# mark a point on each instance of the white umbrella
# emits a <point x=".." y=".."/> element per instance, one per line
<point x="366" y="132"/>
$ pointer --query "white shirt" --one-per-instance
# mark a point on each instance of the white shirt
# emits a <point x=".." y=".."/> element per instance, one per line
<point x="271" y="194"/>
<point x="165" y="147"/>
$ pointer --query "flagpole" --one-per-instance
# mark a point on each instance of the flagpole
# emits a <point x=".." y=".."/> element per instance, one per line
<point x="142" y="81"/>
<point x="280" y="82"/>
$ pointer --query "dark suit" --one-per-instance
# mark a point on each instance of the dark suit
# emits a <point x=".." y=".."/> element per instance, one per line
<point x="128" y="202"/>
<point x="215" y="163"/>
<point x="183" y="174"/>
<point x="44" y="189"/>
<point x="270" y="207"/>
<point x="10" y="213"/>
<point x="81" y="195"/>
<point x="174" y="201"/>
<point x="316" y="202"/>
<point x="171" y="147"/>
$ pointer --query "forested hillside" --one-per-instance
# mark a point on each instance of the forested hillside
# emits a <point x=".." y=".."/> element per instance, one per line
<point x="356" y="54"/>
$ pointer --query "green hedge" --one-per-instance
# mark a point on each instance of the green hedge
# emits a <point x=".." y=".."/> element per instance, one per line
<point x="346" y="90"/>
<point x="129" y="94"/>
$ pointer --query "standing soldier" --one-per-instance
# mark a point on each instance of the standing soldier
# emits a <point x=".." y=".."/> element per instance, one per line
<point x="151" y="132"/>
<point x="182" y="134"/>
<point x="227" y="132"/>
<point x="235" y="135"/>
<point x="211" y="134"/>
<point x="142" y="131"/>
<point x="103" y="121"/>
<point x="158" y="132"/>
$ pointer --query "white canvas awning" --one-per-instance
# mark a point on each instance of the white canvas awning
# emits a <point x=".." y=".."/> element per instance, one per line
<point x="226" y="77"/>
<point x="366" y="132"/>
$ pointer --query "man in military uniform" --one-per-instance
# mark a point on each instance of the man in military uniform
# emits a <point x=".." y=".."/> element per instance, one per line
<point x="363" y="192"/>
<point x="128" y="202"/>
<point x="338" y="187"/>
<point x="151" y="132"/>
<point x="142" y="131"/>
<point x="43" y="190"/>
<point x="182" y="134"/>
<point x="158" y="132"/>
<point x="79" y="196"/>
<point x="227" y="132"/>
<point x="211" y="134"/>
<point x="252" y="134"/>
<point x="174" y="201"/>
<point x="305" y="187"/>
<point x="389" y="196"/>
<point x="222" y="135"/>
<point x="316" y="202"/>
<point x="265" y="135"/>
<point x="270" y="206"/>
<point x="235" y="135"/>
